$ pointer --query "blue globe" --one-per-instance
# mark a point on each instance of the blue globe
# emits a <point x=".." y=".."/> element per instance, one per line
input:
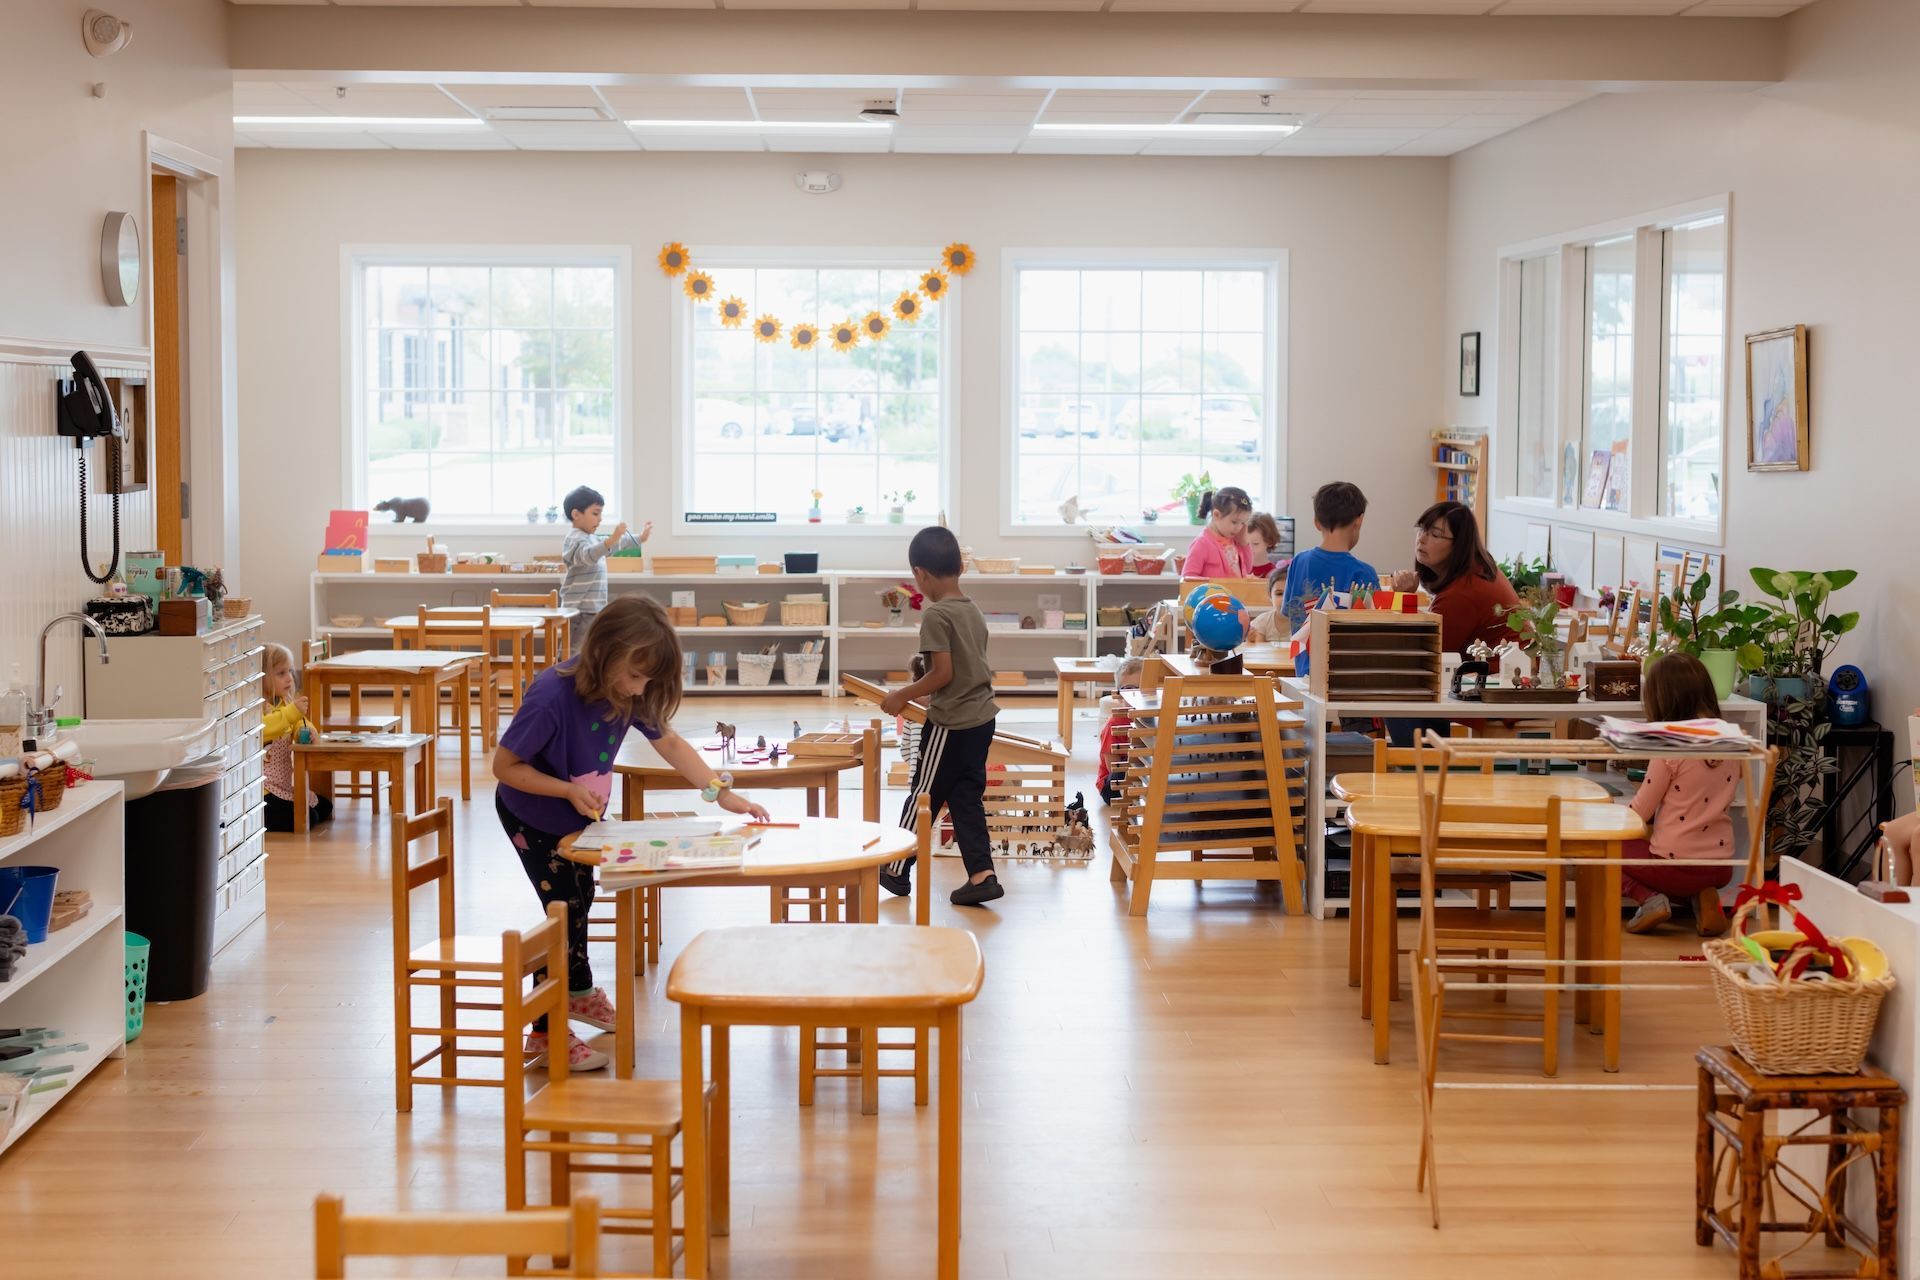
<point x="1220" y="622"/>
<point x="1199" y="593"/>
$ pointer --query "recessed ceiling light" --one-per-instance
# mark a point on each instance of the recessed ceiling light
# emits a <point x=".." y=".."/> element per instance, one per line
<point x="809" y="125"/>
<point x="567" y="114"/>
<point x="1280" y="130"/>
<point x="1263" y="118"/>
<point x="366" y="122"/>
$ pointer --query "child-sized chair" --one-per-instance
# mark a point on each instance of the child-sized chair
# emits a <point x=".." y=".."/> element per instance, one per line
<point x="468" y="629"/>
<point x="446" y="963"/>
<point x="548" y="655"/>
<point x="570" y="1235"/>
<point x="359" y="785"/>
<point x="573" y="1111"/>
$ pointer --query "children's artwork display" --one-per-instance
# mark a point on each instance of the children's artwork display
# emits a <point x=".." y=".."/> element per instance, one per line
<point x="1619" y="476"/>
<point x="1597" y="464"/>
<point x="1777" y="400"/>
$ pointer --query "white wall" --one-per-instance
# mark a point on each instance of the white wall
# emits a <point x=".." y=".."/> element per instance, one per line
<point x="70" y="158"/>
<point x="1824" y="170"/>
<point x="1365" y="239"/>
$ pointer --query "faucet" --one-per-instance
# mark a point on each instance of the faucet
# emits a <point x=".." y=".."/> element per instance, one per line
<point x="40" y="716"/>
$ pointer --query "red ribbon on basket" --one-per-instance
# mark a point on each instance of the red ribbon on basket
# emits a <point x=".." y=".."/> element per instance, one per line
<point x="1785" y="895"/>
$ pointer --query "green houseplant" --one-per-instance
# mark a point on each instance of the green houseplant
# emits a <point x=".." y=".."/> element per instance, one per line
<point x="1695" y="620"/>
<point x="897" y="506"/>
<point x="1191" y="489"/>
<point x="1532" y="624"/>
<point x="1525" y="575"/>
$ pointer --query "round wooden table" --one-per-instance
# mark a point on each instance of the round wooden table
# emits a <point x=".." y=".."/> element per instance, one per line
<point x="640" y="769"/>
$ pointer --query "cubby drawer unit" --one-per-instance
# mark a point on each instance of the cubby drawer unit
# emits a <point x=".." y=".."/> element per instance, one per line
<point x="254" y="875"/>
<point x="244" y="828"/>
<point x="246" y="744"/>
<point x="235" y="807"/>
<point x="235" y="779"/>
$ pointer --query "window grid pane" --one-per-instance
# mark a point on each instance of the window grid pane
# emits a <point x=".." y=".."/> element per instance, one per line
<point x="771" y="424"/>
<point x="1694" y="341"/>
<point x="1538" y="305"/>
<point x="488" y="388"/>
<point x="1609" y="399"/>
<point x="1166" y="374"/>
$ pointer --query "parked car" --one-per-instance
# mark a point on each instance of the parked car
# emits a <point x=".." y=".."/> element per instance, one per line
<point x="723" y="418"/>
<point x="1076" y="417"/>
<point x="1225" y="420"/>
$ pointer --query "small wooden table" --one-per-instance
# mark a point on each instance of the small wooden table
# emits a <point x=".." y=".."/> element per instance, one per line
<point x="416" y="674"/>
<point x="863" y="975"/>
<point x="555" y="623"/>
<point x="1391" y="829"/>
<point x="1077" y="671"/>
<point x="388" y="753"/>
<point x="452" y="634"/>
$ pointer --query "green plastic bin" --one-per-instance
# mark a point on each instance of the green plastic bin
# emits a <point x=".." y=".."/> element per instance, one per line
<point x="137" y="949"/>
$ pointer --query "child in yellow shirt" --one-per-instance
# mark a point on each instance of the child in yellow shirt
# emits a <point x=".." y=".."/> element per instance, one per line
<point x="285" y="716"/>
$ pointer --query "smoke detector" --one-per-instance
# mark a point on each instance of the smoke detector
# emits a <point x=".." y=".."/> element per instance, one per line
<point x="104" y="33"/>
<point x="880" y="111"/>
<point x="816" y="182"/>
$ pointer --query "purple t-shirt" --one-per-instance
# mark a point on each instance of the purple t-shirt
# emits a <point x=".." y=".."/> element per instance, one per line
<point x="563" y="736"/>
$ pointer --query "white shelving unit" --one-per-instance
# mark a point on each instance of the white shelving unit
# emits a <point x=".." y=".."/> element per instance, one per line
<point x="75" y="981"/>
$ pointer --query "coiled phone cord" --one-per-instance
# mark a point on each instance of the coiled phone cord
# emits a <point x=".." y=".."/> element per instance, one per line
<point x="86" y="556"/>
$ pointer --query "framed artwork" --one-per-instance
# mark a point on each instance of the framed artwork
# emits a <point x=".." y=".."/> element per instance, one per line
<point x="1470" y="364"/>
<point x="1777" y="400"/>
<point x="1619" y="473"/>
<point x="1596" y="477"/>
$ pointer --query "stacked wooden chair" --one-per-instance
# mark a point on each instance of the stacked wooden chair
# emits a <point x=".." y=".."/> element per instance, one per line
<point x="570" y="1236"/>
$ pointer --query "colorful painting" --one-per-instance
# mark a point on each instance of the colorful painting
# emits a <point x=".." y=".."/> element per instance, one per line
<point x="1596" y="478"/>
<point x="1619" y="475"/>
<point x="1777" y="400"/>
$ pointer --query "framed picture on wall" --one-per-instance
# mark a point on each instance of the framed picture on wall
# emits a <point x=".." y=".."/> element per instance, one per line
<point x="1777" y="400"/>
<point x="1470" y="364"/>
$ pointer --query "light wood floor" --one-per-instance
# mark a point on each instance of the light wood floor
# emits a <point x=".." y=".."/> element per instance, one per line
<point x="1189" y="1095"/>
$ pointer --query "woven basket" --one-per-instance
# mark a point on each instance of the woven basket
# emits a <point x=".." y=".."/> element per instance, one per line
<point x="53" y="786"/>
<point x="803" y="613"/>
<point x="996" y="564"/>
<point x="432" y="561"/>
<point x="745" y="615"/>
<point x="756" y="669"/>
<point x="13" y="818"/>
<point x="1793" y="1028"/>
<point x="237" y="607"/>
<point x="802" y="669"/>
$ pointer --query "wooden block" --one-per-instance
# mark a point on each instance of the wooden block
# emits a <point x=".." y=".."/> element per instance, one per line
<point x="392" y="564"/>
<point x="899" y="677"/>
<point x="714" y="620"/>
<point x="343" y="562"/>
<point x="1012" y="679"/>
<point x="1878" y="890"/>
<point x="626" y="564"/>
<point x="680" y="616"/>
<point x="183" y="617"/>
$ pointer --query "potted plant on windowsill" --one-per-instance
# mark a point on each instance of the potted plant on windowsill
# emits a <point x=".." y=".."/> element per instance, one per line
<point x="1525" y="575"/>
<point x="856" y="515"/>
<point x="1191" y="489"/>
<point x="813" y="512"/>
<point x="897" y="506"/>
<point x="1690" y="624"/>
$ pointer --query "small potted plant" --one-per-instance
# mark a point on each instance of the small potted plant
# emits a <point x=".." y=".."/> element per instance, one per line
<point x="813" y="512"/>
<point x="1525" y="574"/>
<point x="1691" y="624"/>
<point x="856" y="515"/>
<point x="897" y="506"/>
<point x="1191" y="489"/>
<point x="897" y="600"/>
<point x="1532" y="624"/>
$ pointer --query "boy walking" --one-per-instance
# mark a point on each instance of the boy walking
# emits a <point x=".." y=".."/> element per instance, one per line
<point x="584" y="587"/>
<point x="952" y="767"/>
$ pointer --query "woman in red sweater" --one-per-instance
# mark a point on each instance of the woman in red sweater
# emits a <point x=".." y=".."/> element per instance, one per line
<point x="1469" y="592"/>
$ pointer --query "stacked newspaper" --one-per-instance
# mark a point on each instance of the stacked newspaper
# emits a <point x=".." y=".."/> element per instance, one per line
<point x="1673" y="735"/>
<point x="635" y="853"/>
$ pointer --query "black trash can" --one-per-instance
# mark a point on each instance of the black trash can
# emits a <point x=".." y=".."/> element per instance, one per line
<point x="173" y="857"/>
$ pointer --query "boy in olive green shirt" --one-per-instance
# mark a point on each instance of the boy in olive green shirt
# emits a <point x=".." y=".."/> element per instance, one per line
<point x="952" y="767"/>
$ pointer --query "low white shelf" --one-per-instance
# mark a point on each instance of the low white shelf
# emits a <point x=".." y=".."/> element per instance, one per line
<point x="75" y="981"/>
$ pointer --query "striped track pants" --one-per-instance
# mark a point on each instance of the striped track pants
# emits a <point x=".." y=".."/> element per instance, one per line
<point x="952" y="773"/>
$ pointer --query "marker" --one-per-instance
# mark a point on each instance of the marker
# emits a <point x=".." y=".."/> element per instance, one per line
<point x="869" y="844"/>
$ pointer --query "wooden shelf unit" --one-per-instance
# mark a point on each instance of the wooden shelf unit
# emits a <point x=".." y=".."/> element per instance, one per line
<point x="1370" y="653"/>
<point x="1459" y="464"/>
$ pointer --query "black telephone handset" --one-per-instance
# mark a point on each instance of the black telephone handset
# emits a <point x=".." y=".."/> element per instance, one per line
<point x="86" y="414"/>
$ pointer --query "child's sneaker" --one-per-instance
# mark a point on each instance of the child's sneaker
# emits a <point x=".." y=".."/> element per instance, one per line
<point x="581" y="1056"/>
<point x="592" y="1008"/>
<point x="1709" y="917"/>
<point x="977" y="895"/>
<point x="899" y="884"/>
<point x="1653" y="913"/>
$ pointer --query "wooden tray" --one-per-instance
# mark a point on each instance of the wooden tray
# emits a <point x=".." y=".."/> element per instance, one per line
<point x="1530" y="695"/>
<point x="825" y="744"/>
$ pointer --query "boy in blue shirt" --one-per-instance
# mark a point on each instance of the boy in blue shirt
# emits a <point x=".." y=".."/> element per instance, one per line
<point x="1339" y="509"/>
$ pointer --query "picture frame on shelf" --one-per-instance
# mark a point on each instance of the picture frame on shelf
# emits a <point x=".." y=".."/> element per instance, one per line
<point x="1470" y="363"/>
<point x="1777" y="417"/>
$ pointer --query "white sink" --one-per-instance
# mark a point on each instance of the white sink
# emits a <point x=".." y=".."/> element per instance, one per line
<point x="140" y="753"/>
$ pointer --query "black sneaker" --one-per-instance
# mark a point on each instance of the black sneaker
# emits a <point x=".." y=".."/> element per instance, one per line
<point x="900" y="886"/>
<point x="977" y="895"/>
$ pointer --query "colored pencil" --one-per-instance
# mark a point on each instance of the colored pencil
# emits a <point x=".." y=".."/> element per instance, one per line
<point x="869" y="844"/>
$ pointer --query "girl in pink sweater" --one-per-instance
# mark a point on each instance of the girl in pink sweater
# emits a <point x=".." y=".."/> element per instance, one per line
<point x="1685" y="803"/>
<point x="1220" y="550"/>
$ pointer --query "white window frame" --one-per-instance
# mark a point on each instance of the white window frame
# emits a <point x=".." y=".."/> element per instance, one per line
<point x="355" y="258"/>
<point x="1649" y="382"/>
<point x="1274" y="398"/>
<point x="910" y="258"/>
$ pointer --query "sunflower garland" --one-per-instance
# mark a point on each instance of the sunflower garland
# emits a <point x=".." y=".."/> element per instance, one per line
<point x="957" y="259"/>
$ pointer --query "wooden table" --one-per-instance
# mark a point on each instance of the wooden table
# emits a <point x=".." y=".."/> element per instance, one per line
<point x="1391" y="829"/>
<point x="1073" y="671"/>
<point x="640" y="770"/>
<point x="555" y="623"/>
<point x="388" y="753"/>
<point x="517" y="633"/>
<point x="417" y="674"/>
<point x="866" y="975"/>
<point x="832" y="852"/>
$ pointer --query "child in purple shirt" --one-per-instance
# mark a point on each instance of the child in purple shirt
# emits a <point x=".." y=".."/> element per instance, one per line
<point x="554" y="766"/>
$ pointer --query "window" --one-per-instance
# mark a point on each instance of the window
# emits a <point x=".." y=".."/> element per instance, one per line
<point x="1537" y="310"/>
<point x="1694" y="255"/>
<point x="1127" y="378"/>
<point x="770" y="424"/>
<point x="1609" y="408"/>
<point x="488" y="387"/>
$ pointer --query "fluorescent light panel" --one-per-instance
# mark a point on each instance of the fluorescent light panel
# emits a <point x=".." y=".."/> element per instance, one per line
<point x="1280" y="130"/>
<point x="809" y="125"/>
<point x="365" y="122"/>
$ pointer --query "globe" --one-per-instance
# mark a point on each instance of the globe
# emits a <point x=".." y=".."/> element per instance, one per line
<point x="1220" y="622"/>
<point x="1199" y="593"/>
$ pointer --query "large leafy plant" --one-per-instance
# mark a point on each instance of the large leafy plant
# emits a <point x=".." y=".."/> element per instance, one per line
<point x="1525" y="574"/>
<point x="1694" y="619"/>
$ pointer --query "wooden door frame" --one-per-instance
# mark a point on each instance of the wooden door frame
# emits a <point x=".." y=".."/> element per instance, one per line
<point x="165" y="403"/>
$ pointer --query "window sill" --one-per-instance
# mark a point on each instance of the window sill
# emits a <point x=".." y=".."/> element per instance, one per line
<point x="1701" y="533"/>
<point x="379" y="527"/>
<point x="881" y="528"/>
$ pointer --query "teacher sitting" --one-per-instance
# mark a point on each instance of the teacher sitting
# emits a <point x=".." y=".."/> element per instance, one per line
<point x="1469" y="592"/>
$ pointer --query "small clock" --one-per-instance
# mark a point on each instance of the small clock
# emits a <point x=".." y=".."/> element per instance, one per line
<point x="120" y="259"/>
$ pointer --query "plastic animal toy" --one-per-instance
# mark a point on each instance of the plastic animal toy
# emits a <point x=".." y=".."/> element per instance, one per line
<point x="405" y="509"/>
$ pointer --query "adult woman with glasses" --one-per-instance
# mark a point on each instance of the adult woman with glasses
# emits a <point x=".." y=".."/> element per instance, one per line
<point x="1469" y="592"/>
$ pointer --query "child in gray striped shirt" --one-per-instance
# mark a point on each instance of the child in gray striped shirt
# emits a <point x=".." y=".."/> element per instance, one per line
<point x="585" y="585"/>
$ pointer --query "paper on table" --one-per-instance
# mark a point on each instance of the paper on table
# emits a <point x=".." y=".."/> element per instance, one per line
<point x="1673" y="734"/>
<point x="652" y="852"/>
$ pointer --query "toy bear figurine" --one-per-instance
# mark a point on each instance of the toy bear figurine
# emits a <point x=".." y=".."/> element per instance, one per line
<point x="405" y="509"/>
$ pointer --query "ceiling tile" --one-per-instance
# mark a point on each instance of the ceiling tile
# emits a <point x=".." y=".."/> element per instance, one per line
<point x="342" y="141"/>
<point x="701" y="140"/>
<point x="482" y="96"/>
<point x="623" y="4"/>
<point x="813" y="4"/>
<point x="437" y="4"/>
<point x="1081" y="6"/>
<point x="373" y="99"/>
<point x="936" y="144"/>
<point x="679" y="104"/>
<point x="1398" y="6"/>
<point x="1737" y="10"/>
<point x="462" y="140"/>
<point x="1205" y="6"/>
<point x="583" y="135"/>
<point x="1614" y="8"/>
<point x="1206" y="146"/>
<point x="1046" y="145"/>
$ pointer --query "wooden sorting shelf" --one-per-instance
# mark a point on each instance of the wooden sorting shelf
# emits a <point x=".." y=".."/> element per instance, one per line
<point x="1363" y="653"/>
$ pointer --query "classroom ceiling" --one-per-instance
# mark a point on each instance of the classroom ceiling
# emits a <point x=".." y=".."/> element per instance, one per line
<point x="1470" y="8"/>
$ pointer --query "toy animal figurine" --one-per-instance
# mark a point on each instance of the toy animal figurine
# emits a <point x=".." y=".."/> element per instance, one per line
<point x="405" y="509"/>
<point x="726" y="734"/>
<point x="1077" y="836"/>
<point x="760" y="744"/>
<point x="796" y="728"/>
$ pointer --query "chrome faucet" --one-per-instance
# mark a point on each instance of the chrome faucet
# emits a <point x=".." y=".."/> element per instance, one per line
<point x="41" y="716"/>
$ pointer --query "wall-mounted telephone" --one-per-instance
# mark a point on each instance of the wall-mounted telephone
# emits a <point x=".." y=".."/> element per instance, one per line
<point x="87" y="413"/>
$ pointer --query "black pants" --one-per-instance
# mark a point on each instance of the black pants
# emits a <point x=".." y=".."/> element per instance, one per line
<point x="952" y="773"/>
<point x="280" y="812"/>
<point x="555" y="879"/>
<point x="1405" y="732"/>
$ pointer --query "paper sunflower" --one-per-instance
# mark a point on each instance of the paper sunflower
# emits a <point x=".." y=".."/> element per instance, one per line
<point x="875" y="326"/>
<point x="767" y="329"/>
<point x="846" y="335"/>
<point x="957" y="258"/>
<point x="673" y="258"/>
<point x="934" y="284"/>
<point x="732" y="312"/>
<point x="906" y="307"/>
<point x="699" y="286"/>
<point x="804" y="337"/>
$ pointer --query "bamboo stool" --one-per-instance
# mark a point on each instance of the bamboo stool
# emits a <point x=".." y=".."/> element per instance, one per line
<point x="1734" y="1101"/>
<point x="567" y="1237"/>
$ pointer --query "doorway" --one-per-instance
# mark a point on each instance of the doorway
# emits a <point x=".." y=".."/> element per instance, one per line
<point x="167" y="241"/>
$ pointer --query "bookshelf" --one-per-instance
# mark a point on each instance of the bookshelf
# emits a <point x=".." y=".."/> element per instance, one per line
<point x="1459" y="463"/>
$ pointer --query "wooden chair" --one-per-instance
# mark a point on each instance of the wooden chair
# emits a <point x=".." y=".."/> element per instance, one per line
<point x="533" y="600"/>
<point x="1215" y="771"/>
<point x="567" y="1236"/>
<point x="572" y="1111"/>
<point x="1026" y="796"/>
<point x="446" y="963"/>
<point x="472" y="629"/>
<point x="358" y="786"/>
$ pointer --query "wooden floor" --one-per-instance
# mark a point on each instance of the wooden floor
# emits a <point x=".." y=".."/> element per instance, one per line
<point x="1189" y="1095"/>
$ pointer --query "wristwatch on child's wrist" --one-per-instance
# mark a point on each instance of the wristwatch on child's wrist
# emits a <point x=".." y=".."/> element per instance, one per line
<point x="721" y="782"/>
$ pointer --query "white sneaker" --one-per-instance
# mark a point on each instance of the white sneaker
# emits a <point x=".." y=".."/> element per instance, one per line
<point x="581" y="1056"/>
<point x="1653" y="913"/>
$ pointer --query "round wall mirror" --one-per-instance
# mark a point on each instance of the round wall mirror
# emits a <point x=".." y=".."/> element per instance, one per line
<point x="120" y="259"/>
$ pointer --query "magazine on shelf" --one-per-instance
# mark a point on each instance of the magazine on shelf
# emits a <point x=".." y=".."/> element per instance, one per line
<point x="658" y="850"/>
<point x="1673" y="735"/>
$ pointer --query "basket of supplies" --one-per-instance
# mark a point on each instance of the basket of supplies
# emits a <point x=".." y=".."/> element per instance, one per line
<point x="756" y="669"/>
<point x="1797" y="1015"/>
<point x="803" y="611"/>
<point x="52" y="787"/>
<point x="13" y="807"/>
<point x="996" y="564"/>
<point x="237" y="607"/>
<point x="745" y="614"/>
<point x="802" y="669"/>
<point x="137" y="950"/>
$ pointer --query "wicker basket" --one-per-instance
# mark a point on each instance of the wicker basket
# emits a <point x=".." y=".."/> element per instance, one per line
<point x="745" y="615"/>
<point x="756" y="669"/>
<point x="53" y="787"/>
<point x="996" y="564"/>
<point x="13" y="817"/>
<point x="802" y="669"/>
<point x="432" y="561"/>
<point x="1148" y="565"/>
<point x="237" y="607"/>
<point x="1793" y="1028"/>
<point x="803" y="613"/>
